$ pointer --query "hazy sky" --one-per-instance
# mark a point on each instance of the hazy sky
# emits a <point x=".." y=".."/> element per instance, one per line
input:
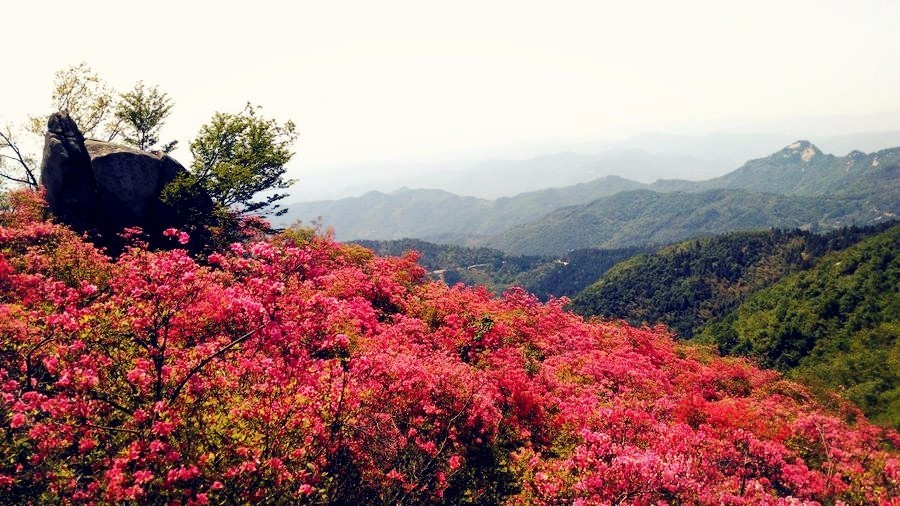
<point x="383" y="80"/>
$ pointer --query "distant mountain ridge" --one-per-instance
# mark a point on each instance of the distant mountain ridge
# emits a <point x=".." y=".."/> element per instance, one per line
<point x="497" y="178"/>
<point x="714" y="154"/>
<point x="802" y="169"/>
<point x="426" y="214"/>
<point x="798" y="186"/>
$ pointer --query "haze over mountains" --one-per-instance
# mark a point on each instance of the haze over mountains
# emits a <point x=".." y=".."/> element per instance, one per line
<point x="502" y="178"/>
<point x="511" y="170"/>
<point x="796" y="186"/>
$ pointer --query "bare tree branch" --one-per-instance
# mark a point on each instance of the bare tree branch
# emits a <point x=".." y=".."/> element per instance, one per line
<point x="29" y="177"/>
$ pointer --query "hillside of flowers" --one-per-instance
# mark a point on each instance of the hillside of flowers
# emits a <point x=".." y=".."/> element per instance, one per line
<point x="303" y="371"/>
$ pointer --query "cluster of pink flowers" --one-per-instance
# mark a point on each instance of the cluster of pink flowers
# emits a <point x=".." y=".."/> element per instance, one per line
<point x="182" y="237"/>
<point x="310" y="371"/>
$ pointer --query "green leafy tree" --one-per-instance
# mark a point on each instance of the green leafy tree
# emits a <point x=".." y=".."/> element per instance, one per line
<point x="141" y="113"/>
<point x="239" y="161"/>
<point x="88" y="99"/>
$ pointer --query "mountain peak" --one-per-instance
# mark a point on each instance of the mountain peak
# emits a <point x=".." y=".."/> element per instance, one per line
<point x="804" y="150"/>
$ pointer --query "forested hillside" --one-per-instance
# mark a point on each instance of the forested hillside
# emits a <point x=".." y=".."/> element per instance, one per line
<point x="545" y="277"/>
<point x="835" y="325"/>
<point x="644" y="217"/>
<point x="459" y="264"/>
<point x="570" y="274"/>
<point x="689" y="284"/>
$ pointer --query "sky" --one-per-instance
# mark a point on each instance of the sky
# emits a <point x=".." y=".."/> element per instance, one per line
<point x="375" y="81"/>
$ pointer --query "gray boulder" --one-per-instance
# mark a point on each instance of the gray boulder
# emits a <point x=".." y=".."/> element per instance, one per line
<point x="104" y="187"/>
<point x="130" y="181"/>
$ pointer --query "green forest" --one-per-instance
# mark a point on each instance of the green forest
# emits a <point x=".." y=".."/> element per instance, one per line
<point x="545" y="277"/>
<point x="834" y="325"/>
<point x="688" y="284"/>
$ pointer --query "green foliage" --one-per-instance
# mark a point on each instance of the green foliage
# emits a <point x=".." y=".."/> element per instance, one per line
<point x="238" y="156"/>
<point x="542" y="276"/>
<point x="460" y="264"/>
<point x="835" y="325"/>
<point x="89" y="101"/>
<point x="569" y="275"/>
<point x="689" y="284"/>
<point x="142" y="112"/>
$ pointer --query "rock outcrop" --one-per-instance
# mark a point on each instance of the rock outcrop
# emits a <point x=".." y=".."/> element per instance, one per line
<point x="66" y="173"/>
<point x="129" y="183"/>
<point x="104" y="187"/>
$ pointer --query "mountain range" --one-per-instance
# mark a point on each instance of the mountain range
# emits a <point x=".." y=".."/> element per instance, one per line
<point x="797" y="186"/>
<point x="553" y="163"/>
<point x="498" y="178"/>
<point x="439" y="214"/>
<point x="802" y="169"/>
<point x="646" y="217"/>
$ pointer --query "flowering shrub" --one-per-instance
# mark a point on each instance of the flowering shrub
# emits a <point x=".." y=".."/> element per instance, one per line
<point x="314" y="372"/>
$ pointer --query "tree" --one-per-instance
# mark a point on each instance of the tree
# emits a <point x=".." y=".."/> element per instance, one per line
<point x="239" y="156"/>
<point x="16" y="165"/>
<point x="141" y="113"/>
<point x="89" y="101"/>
